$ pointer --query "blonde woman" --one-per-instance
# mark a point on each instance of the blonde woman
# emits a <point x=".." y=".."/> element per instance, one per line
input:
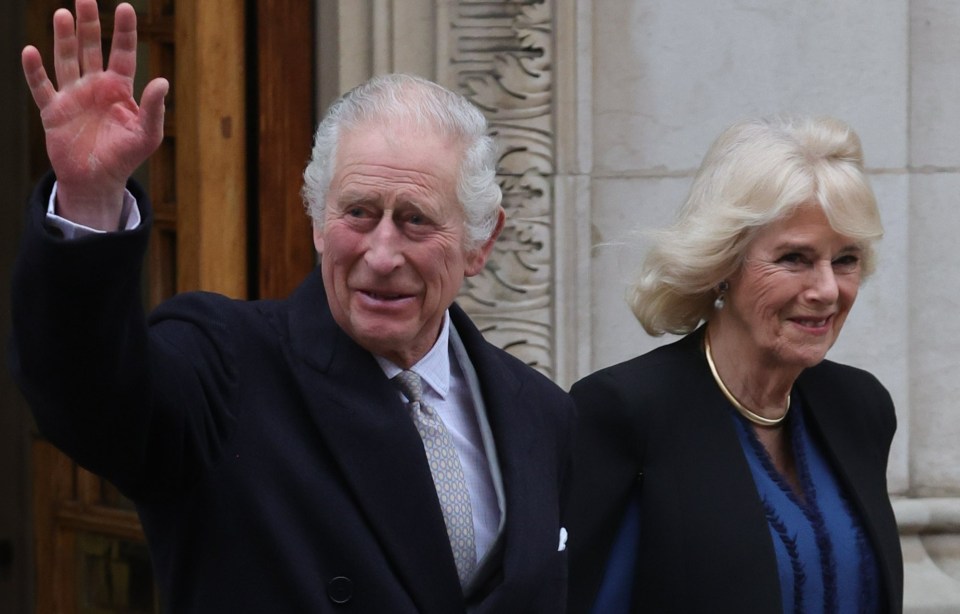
<point x="737" y="470"/>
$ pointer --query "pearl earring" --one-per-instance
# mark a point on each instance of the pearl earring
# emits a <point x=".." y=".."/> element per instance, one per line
<point x="721" y="299"/>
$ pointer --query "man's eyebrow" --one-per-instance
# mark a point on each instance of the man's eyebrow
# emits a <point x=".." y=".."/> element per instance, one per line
<point x="354" y="196"/>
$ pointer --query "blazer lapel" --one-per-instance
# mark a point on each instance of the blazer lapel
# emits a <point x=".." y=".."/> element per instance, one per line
<point x="860" y="472"/>
<point x="715" y="462"/>
<point x="375" y="446"/>
<point x="704" y="491"/>
<point x="849" y="465"/>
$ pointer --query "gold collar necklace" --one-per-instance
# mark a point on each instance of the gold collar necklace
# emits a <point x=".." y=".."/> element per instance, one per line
<point x="746" y="413"/>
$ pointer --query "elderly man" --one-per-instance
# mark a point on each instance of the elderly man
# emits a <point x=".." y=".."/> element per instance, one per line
<point x="356" y="446"/>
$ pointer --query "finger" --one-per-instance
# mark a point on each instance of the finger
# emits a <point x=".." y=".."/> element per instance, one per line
<point x="88" y="35"/>
<point x="36" y="75"/>
<point x="152" y="109"/>
<point x="64" y="49"/>
<point x="123" y="51"/>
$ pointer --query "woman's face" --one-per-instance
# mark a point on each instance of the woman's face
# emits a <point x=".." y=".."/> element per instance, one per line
<point x="794" y="290"/>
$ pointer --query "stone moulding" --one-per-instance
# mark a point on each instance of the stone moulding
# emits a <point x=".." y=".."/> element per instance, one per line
<point x="928" y="515"/>
<point x="501" y="59"/>
<point x="930" y="537"/>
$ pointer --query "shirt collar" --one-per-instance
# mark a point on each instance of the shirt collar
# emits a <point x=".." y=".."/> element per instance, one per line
<point x="434" y="367"/>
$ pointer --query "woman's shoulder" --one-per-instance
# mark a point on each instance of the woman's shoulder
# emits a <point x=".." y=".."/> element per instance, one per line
<point x="650" y="371"/>
<point x="841" y="377"/>
<point x="864" y="400"/>
<point x="635" y="391"/>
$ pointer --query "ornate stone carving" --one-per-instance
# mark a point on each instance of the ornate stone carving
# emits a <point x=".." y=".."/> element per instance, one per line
<point x="501" y="59"/>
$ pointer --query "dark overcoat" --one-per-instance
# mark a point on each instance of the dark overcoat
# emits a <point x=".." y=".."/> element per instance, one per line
<point x="273" y="465"/>
<point x="659" y="424"/>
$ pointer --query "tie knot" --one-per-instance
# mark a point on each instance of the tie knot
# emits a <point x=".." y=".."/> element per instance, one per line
<point x="410" y="385"/>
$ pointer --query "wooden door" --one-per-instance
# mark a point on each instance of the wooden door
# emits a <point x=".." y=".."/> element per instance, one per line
<point x="225" y="189"/>
<point x="285" y="124"/>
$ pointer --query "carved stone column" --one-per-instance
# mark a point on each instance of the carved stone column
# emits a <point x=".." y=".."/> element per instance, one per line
<point x="500" y="56"/>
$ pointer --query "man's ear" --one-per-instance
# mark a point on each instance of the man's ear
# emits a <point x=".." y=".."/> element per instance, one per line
<point x="477" y="258"/>
<point x="318" y="239"/>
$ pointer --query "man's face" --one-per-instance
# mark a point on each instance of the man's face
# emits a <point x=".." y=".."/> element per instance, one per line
<point x="393" y="239"/>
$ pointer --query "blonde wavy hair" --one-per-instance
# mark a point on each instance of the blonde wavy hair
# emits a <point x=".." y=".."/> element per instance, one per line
<point x="756" y="172"/>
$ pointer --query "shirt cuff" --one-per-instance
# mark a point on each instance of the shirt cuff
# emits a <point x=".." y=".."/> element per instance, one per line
<point x="129" y="217"/>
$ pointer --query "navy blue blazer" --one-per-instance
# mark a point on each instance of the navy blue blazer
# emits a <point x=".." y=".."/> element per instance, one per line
<point x="272" y="463"/>
<point x="659" y="425"/>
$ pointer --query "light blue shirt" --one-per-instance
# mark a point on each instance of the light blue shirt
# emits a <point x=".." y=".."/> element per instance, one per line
<point x="129" y="217"/>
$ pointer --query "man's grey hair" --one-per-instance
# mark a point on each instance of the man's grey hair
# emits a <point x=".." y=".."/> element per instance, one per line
<point x="406" y="99"/>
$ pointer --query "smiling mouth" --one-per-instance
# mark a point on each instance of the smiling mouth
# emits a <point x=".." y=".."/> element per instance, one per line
<point x="810" y="323"/>
<point x="380" y="296"/>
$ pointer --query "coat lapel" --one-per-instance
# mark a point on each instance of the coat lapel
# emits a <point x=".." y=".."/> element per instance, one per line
<point x="719" y="482"/>
<point x="833" y="417"/>
<point x="531" y="501"/>
<point x="375" y="446"/>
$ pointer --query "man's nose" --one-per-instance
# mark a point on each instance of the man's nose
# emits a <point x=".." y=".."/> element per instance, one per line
<point x="383" y="253"/>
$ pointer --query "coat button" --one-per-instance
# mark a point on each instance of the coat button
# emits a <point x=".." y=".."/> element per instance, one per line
<point x="340" y="589"/>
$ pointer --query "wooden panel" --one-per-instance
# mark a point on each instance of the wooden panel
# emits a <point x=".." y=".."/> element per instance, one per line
<point x="157" y="28"/>
<point x="211" y="147"/>
<point x="68" y="502"/>
<point x="53" y="481"/>
<point x="286" y="122"/>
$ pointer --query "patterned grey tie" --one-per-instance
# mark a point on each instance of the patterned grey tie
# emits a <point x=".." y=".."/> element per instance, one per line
<point x="447" y="474"/>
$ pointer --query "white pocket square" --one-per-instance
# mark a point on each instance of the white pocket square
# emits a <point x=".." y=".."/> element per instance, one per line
<point x="563" y="540"/>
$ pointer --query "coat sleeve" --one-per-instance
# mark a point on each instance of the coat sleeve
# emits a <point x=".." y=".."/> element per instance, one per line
<point x="607" y="472"/>
<point x="102" y="387"/>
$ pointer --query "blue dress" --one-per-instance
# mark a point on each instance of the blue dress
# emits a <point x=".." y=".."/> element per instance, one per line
<point x="826" y="563"/>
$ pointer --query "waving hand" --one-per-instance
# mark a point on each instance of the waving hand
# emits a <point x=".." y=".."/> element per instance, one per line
<point x="96" y="133"/>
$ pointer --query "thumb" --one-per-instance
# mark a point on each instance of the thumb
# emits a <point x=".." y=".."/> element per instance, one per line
<point x="152" y="109"/>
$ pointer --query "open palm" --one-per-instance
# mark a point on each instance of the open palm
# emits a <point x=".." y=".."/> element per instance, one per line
<point x="96" y="133"/>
